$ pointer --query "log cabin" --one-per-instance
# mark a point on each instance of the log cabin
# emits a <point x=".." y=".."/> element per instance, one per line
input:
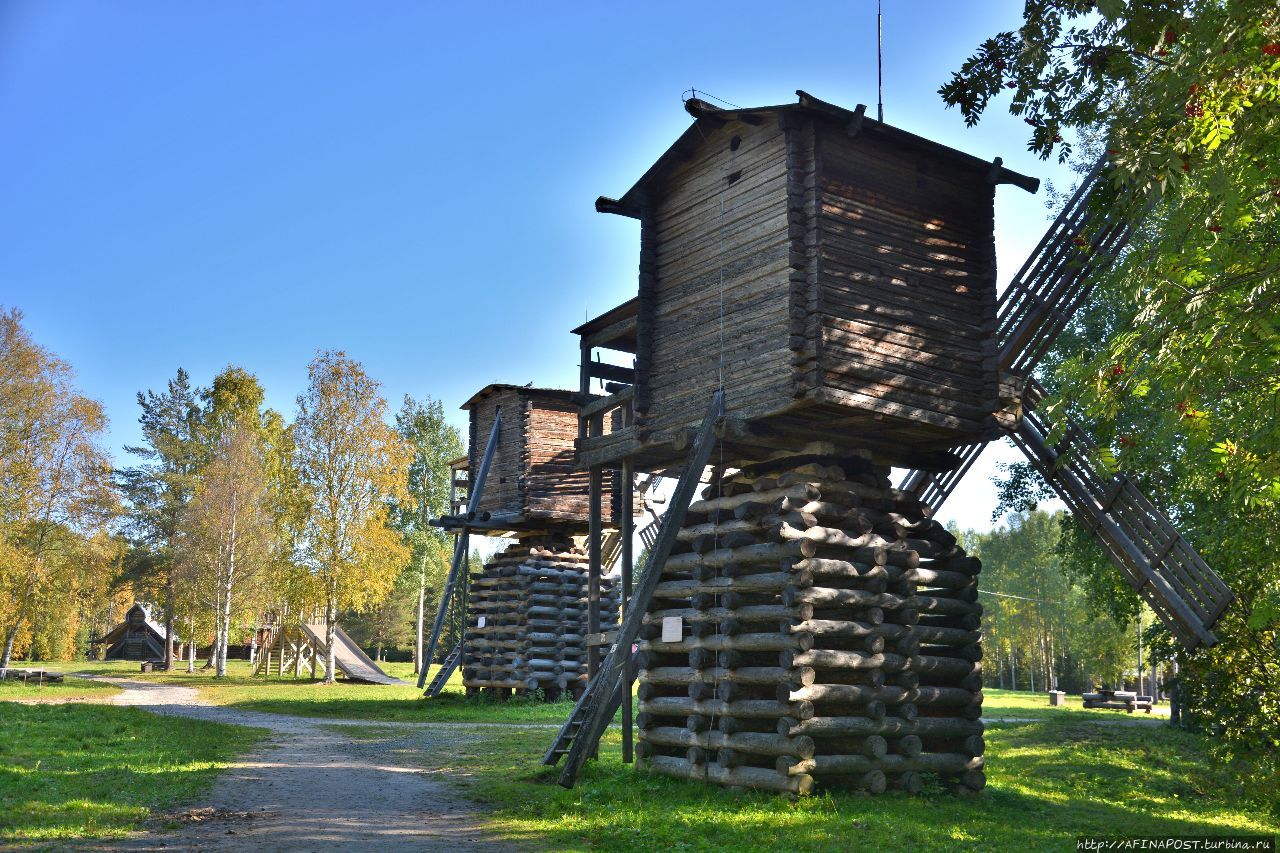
<point x="836" y="275"/>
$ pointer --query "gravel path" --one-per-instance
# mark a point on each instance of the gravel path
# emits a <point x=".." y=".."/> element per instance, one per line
<point x="310" y="786"/>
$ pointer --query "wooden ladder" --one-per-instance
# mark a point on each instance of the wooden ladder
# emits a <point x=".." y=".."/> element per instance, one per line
<point x="459" y="567"/>
<point x="569" y="731"/>
<point x="580" y="735"/>
<point x="447" y="668"/>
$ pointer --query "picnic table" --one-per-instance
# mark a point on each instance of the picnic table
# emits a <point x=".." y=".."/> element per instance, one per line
<point x="1118" y="700"/>
<point x="28" y="675"/>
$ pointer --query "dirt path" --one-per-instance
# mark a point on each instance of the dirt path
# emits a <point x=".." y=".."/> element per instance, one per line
<point x="310" y="786"/>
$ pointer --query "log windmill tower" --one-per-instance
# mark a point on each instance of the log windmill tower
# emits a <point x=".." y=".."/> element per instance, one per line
<point x="525" y="618"/>
<point x="827" y="283"/>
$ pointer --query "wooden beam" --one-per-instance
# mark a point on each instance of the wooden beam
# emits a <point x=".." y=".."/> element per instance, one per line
<point x="610" y="372"/>
<point x="601" y="405"/>
<point x="459" y="564"/>
<point x="596" y="532"/>
<point x="626" y="530"/>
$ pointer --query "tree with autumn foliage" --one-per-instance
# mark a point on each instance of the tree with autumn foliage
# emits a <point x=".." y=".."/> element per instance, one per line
<point x="56" y="495"/>
<point x="352" y="468"/>
<point x="1175" y="358"/>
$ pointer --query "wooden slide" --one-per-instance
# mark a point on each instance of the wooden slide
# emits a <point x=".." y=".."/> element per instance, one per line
<point x="348" y="657"/>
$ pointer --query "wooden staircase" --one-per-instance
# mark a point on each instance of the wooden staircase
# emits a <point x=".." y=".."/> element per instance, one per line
<point x="447" y="668"/>
<point x="458" y="568"/>
<point x="569" y="731"/>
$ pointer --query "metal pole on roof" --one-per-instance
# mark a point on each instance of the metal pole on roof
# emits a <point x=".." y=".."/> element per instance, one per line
<point x="879" y="64"/>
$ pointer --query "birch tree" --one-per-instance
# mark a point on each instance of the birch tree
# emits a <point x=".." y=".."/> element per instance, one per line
<point x="352" y="466"/>
<point x="238" y="524"/>
<point x="230" y="529"/>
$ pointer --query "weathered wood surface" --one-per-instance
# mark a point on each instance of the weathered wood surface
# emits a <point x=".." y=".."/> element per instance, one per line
<point x="814" y="666"/>
<point x="533" y="600"/>
<point x="815" y="272"/>
<point x="535" y="479"/>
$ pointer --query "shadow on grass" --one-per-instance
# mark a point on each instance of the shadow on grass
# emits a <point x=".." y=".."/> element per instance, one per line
<point x="72" y="771"/>
<point x="1049" y="782"/>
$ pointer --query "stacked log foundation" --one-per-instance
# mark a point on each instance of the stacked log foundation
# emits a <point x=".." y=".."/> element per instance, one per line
<point x="532" y="601"/>
<point x="829" y="634"/>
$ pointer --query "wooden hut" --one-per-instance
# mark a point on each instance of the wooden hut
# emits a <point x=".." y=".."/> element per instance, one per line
<point x="834" y="273"/>
<point x="136" y="638"/>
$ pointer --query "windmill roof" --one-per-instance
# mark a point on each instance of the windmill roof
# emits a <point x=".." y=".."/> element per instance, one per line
<point x="705" y="113"/>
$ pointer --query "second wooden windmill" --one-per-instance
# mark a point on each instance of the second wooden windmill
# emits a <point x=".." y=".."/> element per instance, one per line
<point x="827" y="282"/>
<point x="524" y="620"/>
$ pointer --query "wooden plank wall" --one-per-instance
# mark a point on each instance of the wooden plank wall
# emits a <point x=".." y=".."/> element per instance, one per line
<point x="502" y="489"/>
<point x="906" y="306"/>
<point x="724" y="207"/>
<point x="554" y="488"/>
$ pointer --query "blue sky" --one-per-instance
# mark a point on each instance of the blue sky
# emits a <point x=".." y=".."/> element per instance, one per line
<point x="199" y="185"/>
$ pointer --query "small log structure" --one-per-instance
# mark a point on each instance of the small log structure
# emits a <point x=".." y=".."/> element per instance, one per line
<point x="136" y="638"/>
<point x="527" y="619"/>
<point x="532" y="484"/>
<point x="818" y="627"/>
<point x="537" y="614"/>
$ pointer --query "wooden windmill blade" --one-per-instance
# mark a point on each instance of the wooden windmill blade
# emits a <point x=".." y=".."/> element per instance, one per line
<point x="933" y="488"/>
<point x="1083" y="241"/>
<point x="1155" y="559"/>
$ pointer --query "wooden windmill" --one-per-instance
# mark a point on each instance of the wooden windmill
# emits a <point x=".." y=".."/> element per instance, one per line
<point x="525" y="624"/>
<point x="828" y="283"/>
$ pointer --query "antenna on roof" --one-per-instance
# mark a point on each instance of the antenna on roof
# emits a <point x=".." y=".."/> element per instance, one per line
<point x="879" y="64"/>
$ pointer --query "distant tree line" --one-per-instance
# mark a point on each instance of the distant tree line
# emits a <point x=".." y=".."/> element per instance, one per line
<point x="1040" y="631"/>
<point x="230" y="516"/>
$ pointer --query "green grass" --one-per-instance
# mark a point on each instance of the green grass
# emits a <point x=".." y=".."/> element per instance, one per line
<point x="383" y="703"/>
<point x="305" y="697"/>
<point x="1021" y="705"/>
<point x="1066" y="772"/>
<point x="94" y="771"/>
<point x="1048" y="782"/>
<point x="70" y="690"/>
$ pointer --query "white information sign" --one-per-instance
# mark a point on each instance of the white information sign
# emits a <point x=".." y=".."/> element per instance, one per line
<point x="672" y="629"/>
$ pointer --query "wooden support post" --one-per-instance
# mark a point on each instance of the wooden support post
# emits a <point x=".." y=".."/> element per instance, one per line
<point x="626" y="530"/>
<point x="593" y="571"/>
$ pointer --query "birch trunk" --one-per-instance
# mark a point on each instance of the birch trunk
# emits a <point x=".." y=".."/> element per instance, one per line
<point x="330" y="625"/>
<point x="417" y="649"/>
<point x="224" y="614"/>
